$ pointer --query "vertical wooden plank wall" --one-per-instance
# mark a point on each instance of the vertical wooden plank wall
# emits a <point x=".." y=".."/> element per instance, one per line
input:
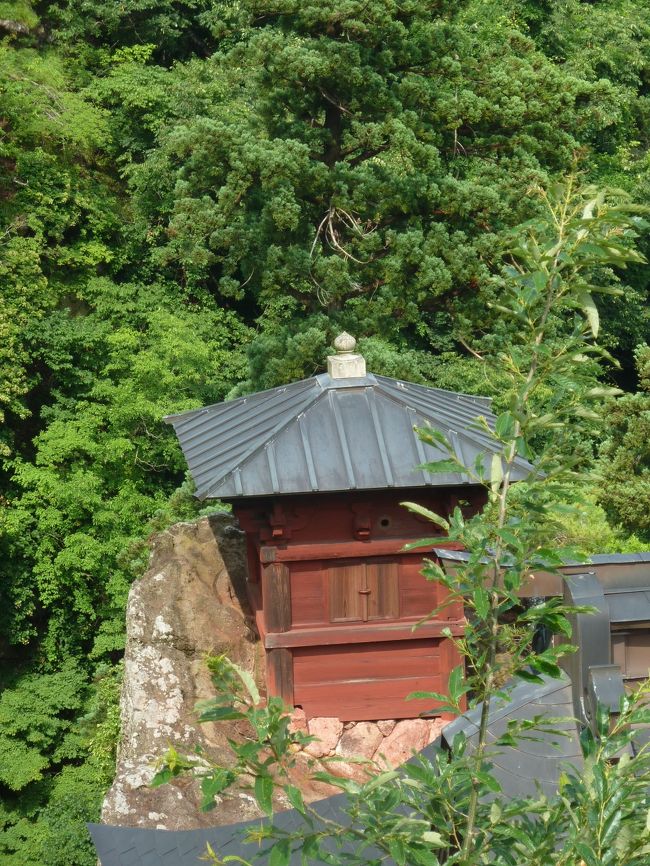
<point x="276" y="592"/>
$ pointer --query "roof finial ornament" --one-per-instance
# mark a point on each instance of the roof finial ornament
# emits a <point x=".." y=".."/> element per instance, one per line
<point x="346" y="364"/>
<point x="345" y="343"/>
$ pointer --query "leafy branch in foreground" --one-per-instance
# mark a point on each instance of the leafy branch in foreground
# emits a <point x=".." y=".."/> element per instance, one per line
<point x="450" y="809"/>
<point x="548" y="301"/>
<point x="267" y="755"/>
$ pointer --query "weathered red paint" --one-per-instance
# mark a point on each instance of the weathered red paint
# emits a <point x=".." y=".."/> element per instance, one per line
<point x="336" y="597"/>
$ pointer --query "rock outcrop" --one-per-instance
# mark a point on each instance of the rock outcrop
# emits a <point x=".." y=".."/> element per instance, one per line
<point x="191" y="602"/>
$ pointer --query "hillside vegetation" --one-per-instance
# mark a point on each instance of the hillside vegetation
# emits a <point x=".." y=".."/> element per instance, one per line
<point x="195" y="197"/>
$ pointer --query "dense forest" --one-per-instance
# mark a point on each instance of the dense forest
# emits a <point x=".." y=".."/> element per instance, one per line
<point x="195" y="197"/>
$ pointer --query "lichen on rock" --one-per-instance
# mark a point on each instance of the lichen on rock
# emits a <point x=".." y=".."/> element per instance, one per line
<point x="190" y="603"/>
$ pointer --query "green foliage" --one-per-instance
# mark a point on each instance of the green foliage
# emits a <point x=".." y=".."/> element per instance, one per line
<point x="360" y="181"/>
<point x="20" y="11"/>
<point x="104" y="464"/>
<point x="185" y="182"/>
<point x="33" y="722"/>
<point x="268" y="757"/>
<point x="604" y="41"/>
<point x="575" y="522"/>
<point x="55" y="767"/>
<point x="624" y="464"/>
<point x="175" y="28"/>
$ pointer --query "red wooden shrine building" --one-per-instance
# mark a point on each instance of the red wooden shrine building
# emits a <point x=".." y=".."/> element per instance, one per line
<point x="316" y="472"/>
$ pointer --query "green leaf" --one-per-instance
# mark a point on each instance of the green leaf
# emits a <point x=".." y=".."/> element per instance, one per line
<point x="220" y="714"/>
<point x="213" y="785"/>
<point x="505" y="425"/>
<point x="425" y="512"/>
<point x="431" y="837"/>
<point x="545" y="666"/>
<point x="590" y="310"/>
<point x="539" y="280"/>
<point x="264" y="793"/>
<point x="248" y="681"/>
<point x="528" y="676"/>
<point x="294" y="795"/>
<point x="522" y="448"/>
<point x="489" y="781"/>
<point x="496" y="472"/>
<point x="397" y="852"/>
<point x="432" y="436"/>
<point x="380" y="779"/>
<point x="310" y="847"/>
<point x="162" y="777"/>
<point x="280" y="853"/>
<point x="425" y="542"/>
<point x="481" y="601"/>
<point x="510" y="538"/>
<point x="587" y="854"/>
<point x="457" y="686"/>
<point x="423" y="857"/>
<point x="443" y="467"/>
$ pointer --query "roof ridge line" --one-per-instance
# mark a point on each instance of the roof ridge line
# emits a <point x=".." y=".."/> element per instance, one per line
<point x="169" y="419"/>
<point x="391" y="397"/>
<point x="463" y="433"/>
<point x="467" y="433"/>
<point x="445" y="412"/>
<point x="313" y="396"/>
<point x="478" y="397"/>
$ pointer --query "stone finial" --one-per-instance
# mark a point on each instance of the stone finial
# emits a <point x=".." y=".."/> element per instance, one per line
<point x="345" y="343"/>
<point x="346" y="364"/>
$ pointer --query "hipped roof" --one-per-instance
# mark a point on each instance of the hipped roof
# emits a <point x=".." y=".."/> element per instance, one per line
<point x="324" y="435"/>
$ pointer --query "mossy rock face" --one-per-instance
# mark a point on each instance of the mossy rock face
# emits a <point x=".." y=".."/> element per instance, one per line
<point x="19" y="13"/>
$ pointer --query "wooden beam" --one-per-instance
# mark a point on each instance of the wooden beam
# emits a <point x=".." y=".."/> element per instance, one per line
<point x="348" y="634"/>
<point x="346" y="550"/>
<point x="276" y="597"/>
<point x="279" y="674"/>
<point x="260" y="625"/>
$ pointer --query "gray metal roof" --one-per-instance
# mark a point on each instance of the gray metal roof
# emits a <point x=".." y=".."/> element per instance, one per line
<point x="324" y="434"/>
<point x="531" y="763"/>
<point x="128" y="846"/>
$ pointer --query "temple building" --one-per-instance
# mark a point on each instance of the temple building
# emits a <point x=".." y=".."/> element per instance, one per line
<point x="316" y="472"/>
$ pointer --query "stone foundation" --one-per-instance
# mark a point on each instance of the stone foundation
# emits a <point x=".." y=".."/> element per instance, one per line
<point x="383" y="744"/>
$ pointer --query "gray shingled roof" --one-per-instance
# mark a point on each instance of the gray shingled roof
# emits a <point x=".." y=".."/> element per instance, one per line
<point x="324" y="434"/>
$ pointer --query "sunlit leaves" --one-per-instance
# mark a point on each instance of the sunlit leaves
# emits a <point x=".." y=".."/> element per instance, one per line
<point x="263" y="789"/>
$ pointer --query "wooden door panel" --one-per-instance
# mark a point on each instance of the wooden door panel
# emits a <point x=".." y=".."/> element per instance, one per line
<point x="346" y="592"/>
<point x="382" y="587"/>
